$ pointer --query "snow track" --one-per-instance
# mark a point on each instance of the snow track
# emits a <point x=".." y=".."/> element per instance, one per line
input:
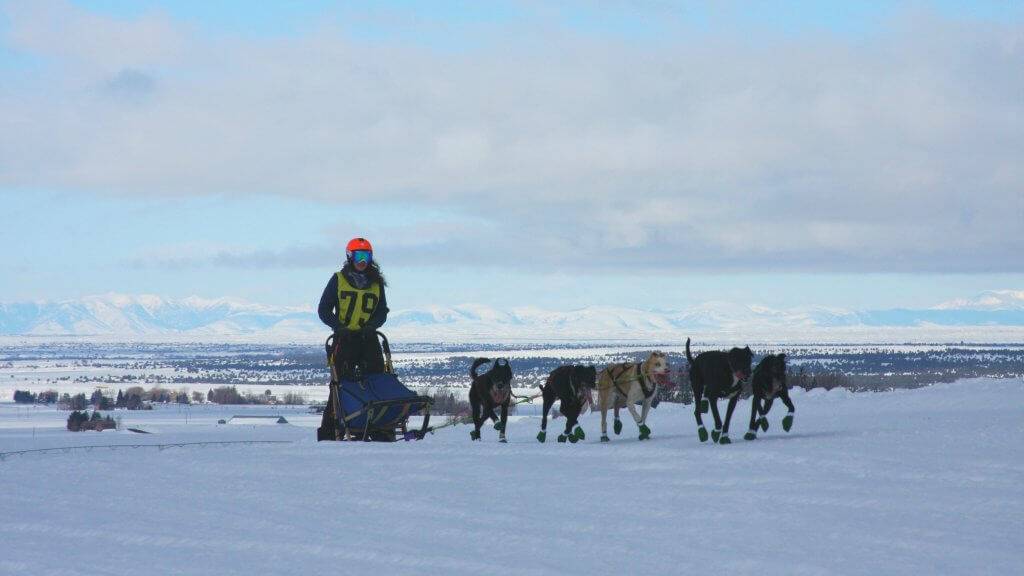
<point x="907" y="482"/>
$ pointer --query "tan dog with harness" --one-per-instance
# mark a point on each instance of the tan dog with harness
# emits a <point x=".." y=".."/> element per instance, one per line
<point x="626" y="384"/>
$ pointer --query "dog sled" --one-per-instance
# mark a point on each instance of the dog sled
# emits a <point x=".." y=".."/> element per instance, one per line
<point x="371" y="407"/>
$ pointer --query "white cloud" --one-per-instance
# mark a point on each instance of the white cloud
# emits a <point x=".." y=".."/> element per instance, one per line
<point x="894" y="151"/>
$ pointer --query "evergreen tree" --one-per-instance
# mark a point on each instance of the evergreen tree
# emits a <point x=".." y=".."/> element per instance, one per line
<point x="78" y="402"/>
<point x="24" y="397"/>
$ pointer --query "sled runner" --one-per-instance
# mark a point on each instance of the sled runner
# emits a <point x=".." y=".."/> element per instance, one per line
<point x="370" y="406"/>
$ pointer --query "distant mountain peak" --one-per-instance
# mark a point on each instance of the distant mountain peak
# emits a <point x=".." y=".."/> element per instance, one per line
<point x="991" y="300"/>
<point x="129" y="317"/>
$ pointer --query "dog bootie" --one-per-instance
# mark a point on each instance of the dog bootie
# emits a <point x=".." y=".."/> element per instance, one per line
<point x="573" y="438"/>
<point x="542" y="436"/>
<point x="763" y="422"/>
<point x="474" y="434"/>
<point x="578" y="432"/>
<point x="750" y="435"/>
<point x="724" y="439"/>
<point x="716" y="434"/>
<point x="702" y="433"/>
<point x="604" y="438"/>
<point x="787" y="422"/>
<point x="704" y="405"/>
<point x="562" y="438"/>
<point x="645" y="432"/>
<point x="617" y="427"/>
<point x="499" y="426"/>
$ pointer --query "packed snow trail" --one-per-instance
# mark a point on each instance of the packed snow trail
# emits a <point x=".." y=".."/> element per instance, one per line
<point x="928" y="481"/>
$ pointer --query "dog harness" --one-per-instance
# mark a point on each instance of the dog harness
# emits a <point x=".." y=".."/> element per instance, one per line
<point x="501" y="389"/>
<point x="580" y="393"/>
<point x="643" y="382"/>
<point x="618" y="370"/>
<point x="500" y="395"/>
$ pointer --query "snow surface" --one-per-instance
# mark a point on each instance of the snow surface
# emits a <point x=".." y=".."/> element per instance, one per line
<point x="927" y="481"/>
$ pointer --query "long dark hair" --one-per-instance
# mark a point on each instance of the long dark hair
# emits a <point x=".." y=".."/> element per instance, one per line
<point x="372" y="271"/>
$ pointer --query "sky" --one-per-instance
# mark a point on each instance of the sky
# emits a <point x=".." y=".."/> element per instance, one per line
<point x="647" y="154"/>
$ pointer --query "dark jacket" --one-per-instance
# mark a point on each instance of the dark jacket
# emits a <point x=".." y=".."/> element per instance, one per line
<point x="328" y="309"/>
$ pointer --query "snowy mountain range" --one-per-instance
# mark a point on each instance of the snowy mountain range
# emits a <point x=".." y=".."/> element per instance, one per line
<point x="152" y="317"/>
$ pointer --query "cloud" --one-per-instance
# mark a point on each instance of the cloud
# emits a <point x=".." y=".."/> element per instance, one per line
<point x="92" y="43"/>
<point x="132" y="84"/>
<point x="188" y="256"/>
<point x="895" y="150"/>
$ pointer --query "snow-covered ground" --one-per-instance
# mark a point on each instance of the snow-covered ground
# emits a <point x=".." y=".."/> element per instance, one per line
<point x="927" y="481"/>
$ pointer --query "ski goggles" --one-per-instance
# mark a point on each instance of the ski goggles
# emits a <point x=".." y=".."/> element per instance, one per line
<point x="361" y="256"/>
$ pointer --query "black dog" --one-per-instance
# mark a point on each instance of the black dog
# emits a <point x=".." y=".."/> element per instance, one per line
<point x="488" y="391"/>
<point x="570" y="385"/>
<point x="769" y="383"/>
<point x="715" y="375"/>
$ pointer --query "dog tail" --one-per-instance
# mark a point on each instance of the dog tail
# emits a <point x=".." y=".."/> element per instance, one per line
<point x="689" y="358"/>
<point x="476" y="364"/>
<point x="551" y="378"/>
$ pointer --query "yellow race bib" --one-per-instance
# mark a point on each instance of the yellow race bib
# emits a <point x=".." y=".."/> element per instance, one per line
<point x="355" y="306"/>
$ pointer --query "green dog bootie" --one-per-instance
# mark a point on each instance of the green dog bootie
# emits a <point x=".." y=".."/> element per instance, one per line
<point x="645" y="432"/>
<point x="716" y="434"/>
<point x="704" y="405"/>
<point x="562" y="438"/>
<point x="787" y="422"/>
<point x="764" y="423"/>
<point x="474" y="435"/>
<point x="724" y="439"/>
<point x="617" y="426"/>
<point x="542" y="436"/>
<point x="499" y="426"/>
<point x="573" y="438"/>
<point x="751" y="435"/>
<point x="580" y="435"/>
<point x="702" y="433"/>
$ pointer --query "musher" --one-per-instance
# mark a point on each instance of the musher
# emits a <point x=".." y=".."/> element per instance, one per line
<point x="354" y="306"/>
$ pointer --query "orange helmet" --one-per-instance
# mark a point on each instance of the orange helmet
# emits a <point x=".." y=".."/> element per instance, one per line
<point x="357" y="244"/>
